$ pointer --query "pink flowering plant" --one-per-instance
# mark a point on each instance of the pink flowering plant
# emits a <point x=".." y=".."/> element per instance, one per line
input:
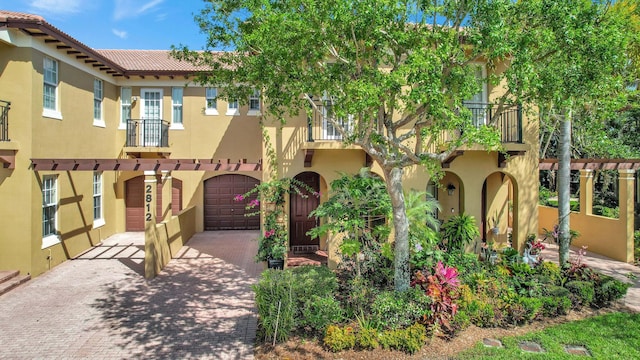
<point x="268" y="199"/>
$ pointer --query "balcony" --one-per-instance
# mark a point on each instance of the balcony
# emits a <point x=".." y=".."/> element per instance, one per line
<point x="508" y="122"/>
<point x="147" y="136"/>
<point x="4" y="120"/>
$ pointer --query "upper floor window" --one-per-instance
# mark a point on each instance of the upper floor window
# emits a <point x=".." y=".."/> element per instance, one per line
<point x="212" y="101"/>
<point x="98" y="219"/>
<point x="125" y="106"/>
<point x="97" y="102"/>
<point x="50" y="89"/>
<point x="49" y="210"/>
<point x="254" y="103"/>
<point x="233" y="108"/>
<point x="176" y="104"/>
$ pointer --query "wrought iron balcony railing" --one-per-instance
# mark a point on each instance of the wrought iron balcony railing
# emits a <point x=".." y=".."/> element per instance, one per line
<point x="147" y="133"/>
<point x="508" y="122"/>
<point x="4" y="120"/>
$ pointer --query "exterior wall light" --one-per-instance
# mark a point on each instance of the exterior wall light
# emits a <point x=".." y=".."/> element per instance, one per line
<point x="450" y="189"/>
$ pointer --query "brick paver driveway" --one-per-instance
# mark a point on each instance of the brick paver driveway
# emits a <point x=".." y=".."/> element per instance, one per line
<point x="100" y="307"/>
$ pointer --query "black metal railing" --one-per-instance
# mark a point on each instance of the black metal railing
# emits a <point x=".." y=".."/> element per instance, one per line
<point x="4" y="120"/>
<point x="508" y="122"/>
<point x="147" y="133"/>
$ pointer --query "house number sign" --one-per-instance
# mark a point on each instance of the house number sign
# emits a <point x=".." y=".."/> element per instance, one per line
<point x="147" y="202"/>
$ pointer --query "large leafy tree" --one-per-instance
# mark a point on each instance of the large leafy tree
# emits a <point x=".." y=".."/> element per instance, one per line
<point x="400" y="70"/>
<point x="579" y="47"/>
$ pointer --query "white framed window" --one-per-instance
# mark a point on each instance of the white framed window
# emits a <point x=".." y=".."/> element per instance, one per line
<point x="254" y="103"/>
<point x="50" y="89"/>
<point x="176" y="106"/>
<point x="211" y="95"/>
<point x="98" y="94"/>
<point x="98" y="218"/>
<point x="125" y="106"/>
<point x="49" y="211"/>
<point x="232" y="107"/>
<point x="329" y="131"/>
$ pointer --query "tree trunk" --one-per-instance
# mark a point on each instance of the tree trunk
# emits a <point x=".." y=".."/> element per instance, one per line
<point x="564" y="190"/>
<point x="401" y="228"/>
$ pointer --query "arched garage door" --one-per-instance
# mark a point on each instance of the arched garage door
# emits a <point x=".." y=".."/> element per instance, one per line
<point x="221" y="212"/>
<point x="134" y="201"/>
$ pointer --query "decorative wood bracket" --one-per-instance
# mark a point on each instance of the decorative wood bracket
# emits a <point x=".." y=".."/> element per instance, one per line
<point x="502" y="159"/>
<point x="308" y="156"/>
<point x="8" y="159"/>
<point x="447" y="162"/>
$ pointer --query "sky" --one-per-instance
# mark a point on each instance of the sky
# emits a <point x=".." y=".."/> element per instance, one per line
<point x="120" y="24"/>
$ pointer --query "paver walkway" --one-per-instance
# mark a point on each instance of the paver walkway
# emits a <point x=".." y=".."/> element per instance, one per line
<point x="607" y="266"/>
<point x="100" y="307"/>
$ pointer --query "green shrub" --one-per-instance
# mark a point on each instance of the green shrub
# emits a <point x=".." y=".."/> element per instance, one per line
<point x="582" y="293"/>
<point x="339" y="338"/>
<point x="606" y="211"/>
<point x="556" y="291"/>
<point x="409" y="340"/>
<point x="281" y="298"/>
<point x="367" y="338"/>
<point x="607" y="290"/>
<point x="554" y="306"/>
<point x="461" y="321"/>
<point x="510" y="255"/>
<point x="532" y="307"/>
<point x="320" y="311"/>
<point x="550" y="270"/>
<point x="392" y="309"/>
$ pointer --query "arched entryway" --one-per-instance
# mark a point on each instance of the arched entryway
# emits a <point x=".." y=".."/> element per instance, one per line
<point x="221" y="211"/>
<point x="498" y="207"/>
<point x="299" y="209"/>
<point x="450" y="195"/>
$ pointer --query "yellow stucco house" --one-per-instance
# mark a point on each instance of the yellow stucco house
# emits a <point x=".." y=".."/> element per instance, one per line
<point x="98" y="142"/>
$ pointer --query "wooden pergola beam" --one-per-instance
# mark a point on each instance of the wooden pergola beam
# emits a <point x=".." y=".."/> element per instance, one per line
<point x="593" y="164"/>
<point x="143" y="165"/>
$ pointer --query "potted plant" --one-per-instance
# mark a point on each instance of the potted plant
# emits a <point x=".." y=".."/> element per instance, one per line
<point x="533" y="248"/>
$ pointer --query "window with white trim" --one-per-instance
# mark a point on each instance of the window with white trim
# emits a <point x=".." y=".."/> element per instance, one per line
<point x="232" y="107"/>
<point x="49" y="207"/>
<point x="212" y="101"/>
<point x="254" y="102"/>
<point x="98" y="218"/>
<point x="125" y="106"/>
<point x="50" y="89"/>
<point x="176" y="104"/>
<point x="97" y="101"/>
<point x="478" y="103"/>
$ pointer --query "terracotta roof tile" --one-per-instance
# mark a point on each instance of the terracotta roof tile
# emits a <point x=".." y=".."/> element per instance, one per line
<point x="7" y="15"/>
<point x="148" y="60"/>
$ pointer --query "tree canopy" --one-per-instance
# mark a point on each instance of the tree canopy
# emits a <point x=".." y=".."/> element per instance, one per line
<point x="399" y="70"/>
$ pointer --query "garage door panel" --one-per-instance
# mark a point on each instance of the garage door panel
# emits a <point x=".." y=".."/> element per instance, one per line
<point x="221" y="211"/>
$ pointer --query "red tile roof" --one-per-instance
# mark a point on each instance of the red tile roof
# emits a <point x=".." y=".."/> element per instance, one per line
<point x="148" y="61"/>
<point x="122" y="62"/>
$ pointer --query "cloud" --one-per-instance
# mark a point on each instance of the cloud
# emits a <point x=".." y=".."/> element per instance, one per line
<point x="131" y="8"/>
<point x="119" y="33"/>
<point x="58" y="7"/>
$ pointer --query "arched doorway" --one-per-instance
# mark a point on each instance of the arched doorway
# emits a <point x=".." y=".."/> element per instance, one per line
<point x="498" y="208"/>
<point x="299" y="209"/>
<point x="221" y="211"/>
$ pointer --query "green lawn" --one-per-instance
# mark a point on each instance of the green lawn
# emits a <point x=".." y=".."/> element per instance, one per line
<point x="612" y="336"/>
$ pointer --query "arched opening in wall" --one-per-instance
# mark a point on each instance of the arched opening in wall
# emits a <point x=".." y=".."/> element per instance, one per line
<point x="300" y="206"/>
<point x="221" y="211"/>
<point x="450" y="196"/>
<point x="134" y="203"/>
<point x="499" y="208"/>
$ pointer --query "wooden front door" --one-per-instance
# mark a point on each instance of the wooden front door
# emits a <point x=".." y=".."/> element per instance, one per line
<point x="134" y="203"/>
<point x="300" y="208"/>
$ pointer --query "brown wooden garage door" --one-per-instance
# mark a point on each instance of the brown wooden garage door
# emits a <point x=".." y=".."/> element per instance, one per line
<point x="221" y="212"/>
<point x="134" y="200"/>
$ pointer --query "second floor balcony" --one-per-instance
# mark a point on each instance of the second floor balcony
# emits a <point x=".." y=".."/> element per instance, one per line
<point x="508" y="122"/>
<point x="147" y="133"/>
